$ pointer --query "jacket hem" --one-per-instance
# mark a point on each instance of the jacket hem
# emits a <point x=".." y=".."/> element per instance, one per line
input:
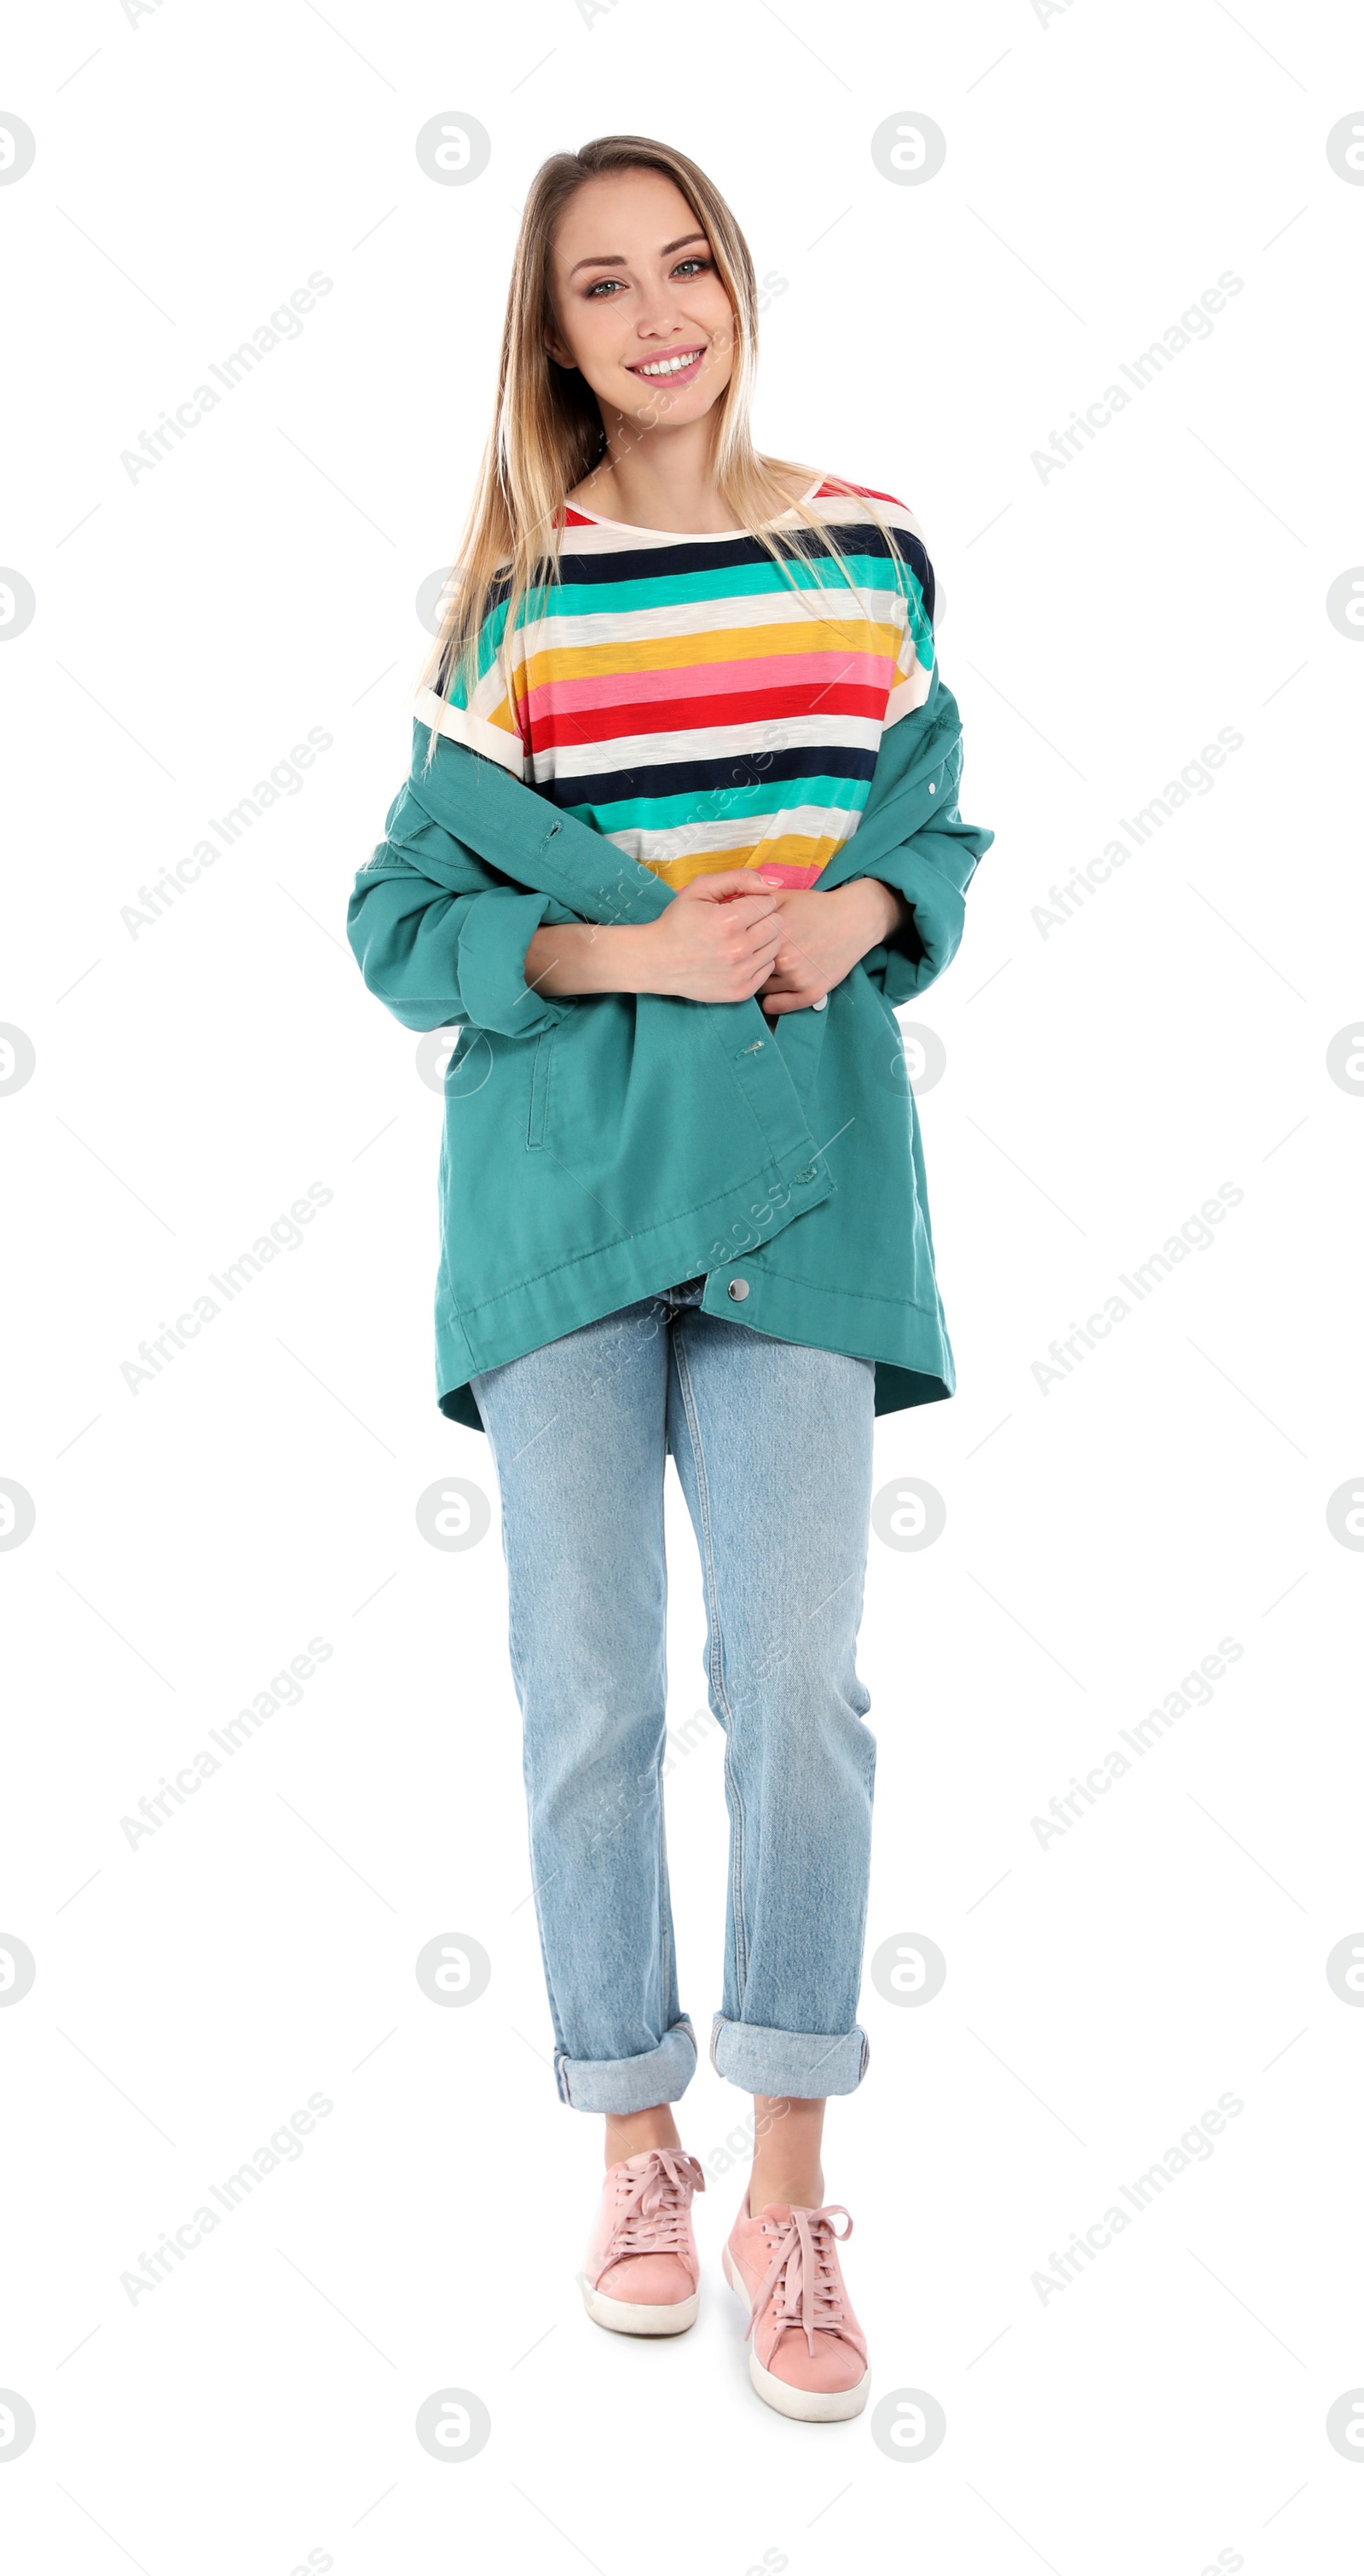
<point x="585" y="1286"/>
<point x="911" y="1341"/>
<point x="907" y="1345"/>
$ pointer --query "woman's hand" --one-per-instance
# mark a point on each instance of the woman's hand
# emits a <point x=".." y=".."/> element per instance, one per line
<point x="732" y="936"/>
<point x="717" y="941"/>
<point x="823" y="937"/>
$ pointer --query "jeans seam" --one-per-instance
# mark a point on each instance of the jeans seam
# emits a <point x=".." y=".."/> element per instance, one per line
<point x="717" y="1680"/>
<point x="516" y="1663"/>
<point x="665" y="1947"/>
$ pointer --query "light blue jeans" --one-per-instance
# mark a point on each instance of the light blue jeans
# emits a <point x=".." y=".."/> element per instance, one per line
<point x="773" y="1447"/>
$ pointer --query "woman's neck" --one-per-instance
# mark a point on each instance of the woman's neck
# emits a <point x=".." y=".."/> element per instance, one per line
<point x="663" y="481"/>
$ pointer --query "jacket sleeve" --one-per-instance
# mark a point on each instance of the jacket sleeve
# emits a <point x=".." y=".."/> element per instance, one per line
<point x="933" y="867"/>
<point x="441" y="937"/>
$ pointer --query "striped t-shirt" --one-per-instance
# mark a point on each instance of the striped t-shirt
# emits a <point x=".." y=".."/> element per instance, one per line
<point x="681" y="696"/>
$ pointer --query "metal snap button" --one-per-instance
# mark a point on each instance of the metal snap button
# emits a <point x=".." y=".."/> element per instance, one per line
<point x="803" y="1179"/>
<point x="738" y="1289"/>
<point x="932" y="788"/>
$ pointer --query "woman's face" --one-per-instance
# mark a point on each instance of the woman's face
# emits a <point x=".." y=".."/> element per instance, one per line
<point x="634" y="289"/>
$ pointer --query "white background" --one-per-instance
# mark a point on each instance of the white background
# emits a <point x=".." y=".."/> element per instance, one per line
<point x="1167" y="2410"/>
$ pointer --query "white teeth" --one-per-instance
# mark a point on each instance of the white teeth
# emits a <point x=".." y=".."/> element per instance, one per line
<point x="668" y="366"/>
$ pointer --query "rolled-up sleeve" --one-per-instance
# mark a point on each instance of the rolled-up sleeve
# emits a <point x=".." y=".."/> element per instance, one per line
<point x="498" y="929"/>
<point x="929" y="941"/>
<point x="436" y="959"/>
<point x="933" y="866"/>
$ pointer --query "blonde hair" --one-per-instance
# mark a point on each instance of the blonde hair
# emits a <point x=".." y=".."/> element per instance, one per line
<point x="547" y="432"/>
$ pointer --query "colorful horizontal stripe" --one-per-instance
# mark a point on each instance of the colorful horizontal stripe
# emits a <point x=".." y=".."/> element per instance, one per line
<point x="697" y="704"/>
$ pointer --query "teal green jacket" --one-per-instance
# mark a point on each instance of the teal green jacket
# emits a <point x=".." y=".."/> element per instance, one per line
<point x="600" y="1148"/>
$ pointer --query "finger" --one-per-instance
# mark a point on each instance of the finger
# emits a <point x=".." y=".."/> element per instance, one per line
<point x="797" y="947"/>
<point x="762" y="950"/>
<point x="786" y="1002"/>
<point x="763" y="959"/>
<point x="751" y="918"/>
<point x="722" y="885"/>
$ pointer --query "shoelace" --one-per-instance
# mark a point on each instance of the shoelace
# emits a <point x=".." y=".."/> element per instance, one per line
<point x="801" y="2284"/>
<point x="651" y="2205"/>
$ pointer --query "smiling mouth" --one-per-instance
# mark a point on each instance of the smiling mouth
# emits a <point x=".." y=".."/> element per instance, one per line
<point x="679" y="362"/>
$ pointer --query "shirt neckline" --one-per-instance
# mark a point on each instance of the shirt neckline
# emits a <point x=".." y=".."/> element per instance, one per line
<point x="685" y="536"/>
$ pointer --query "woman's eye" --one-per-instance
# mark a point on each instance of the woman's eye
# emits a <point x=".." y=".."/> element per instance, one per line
<point x="694" y="262"/>
<point x="596" y="291"/>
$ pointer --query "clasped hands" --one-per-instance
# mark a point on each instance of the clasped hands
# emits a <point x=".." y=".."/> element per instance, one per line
<point x="737" y="934"/>
<point x="731" y="936"/>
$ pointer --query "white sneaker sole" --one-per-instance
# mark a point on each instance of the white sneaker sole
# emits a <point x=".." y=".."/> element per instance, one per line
<point x="626" y="2316"/>
<point x="806" y="2405"/>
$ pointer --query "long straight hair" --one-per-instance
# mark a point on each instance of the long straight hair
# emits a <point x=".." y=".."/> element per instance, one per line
<point x="547" y="431"/>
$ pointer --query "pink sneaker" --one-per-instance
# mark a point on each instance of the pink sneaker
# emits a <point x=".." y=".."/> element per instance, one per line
<point x="809" y="2356"/>
<point x="641" y="2272"/>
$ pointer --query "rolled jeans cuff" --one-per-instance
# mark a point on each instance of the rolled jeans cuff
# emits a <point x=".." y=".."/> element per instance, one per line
<point x="662" y="2074"/>
<point x="806" y="2064"/>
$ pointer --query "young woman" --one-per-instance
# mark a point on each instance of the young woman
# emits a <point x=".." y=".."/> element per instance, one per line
<point x="681" y="830"/>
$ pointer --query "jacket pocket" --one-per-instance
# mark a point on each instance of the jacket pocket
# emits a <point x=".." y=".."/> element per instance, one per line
<point x="799" y="1039"/>
<point x="539" y="1087"/>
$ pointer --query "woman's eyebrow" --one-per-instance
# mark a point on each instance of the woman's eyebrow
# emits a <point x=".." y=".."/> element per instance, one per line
<point x="616" y="258"/>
